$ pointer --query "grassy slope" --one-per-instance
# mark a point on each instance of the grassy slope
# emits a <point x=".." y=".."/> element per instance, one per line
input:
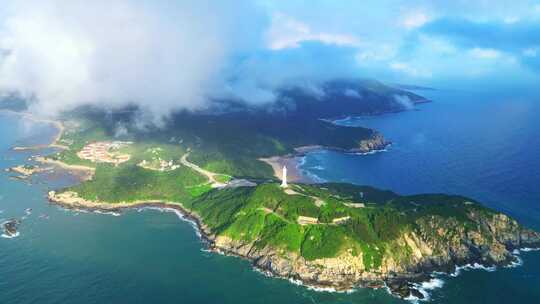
<point x="129" y="182"/>
<point x="263" y="214"/>
<point x="243" y="214"/>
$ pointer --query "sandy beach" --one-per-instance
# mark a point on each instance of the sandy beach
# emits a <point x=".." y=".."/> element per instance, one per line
<point x="294" y="174"/>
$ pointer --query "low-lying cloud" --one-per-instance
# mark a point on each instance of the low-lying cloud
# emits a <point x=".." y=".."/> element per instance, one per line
<point x="155" y="54"/>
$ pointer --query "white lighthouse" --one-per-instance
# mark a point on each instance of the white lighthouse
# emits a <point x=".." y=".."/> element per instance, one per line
<point x="284" y="178"/>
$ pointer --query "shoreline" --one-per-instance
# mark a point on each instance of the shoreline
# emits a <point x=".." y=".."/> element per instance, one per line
<point x="208" y="237"/>
<point x="44" y="160"/>
<point x="32" y="117"/>
<point x="89" y="171"/>
<point x="294" y="160"/>
<point x="406" y="286"/>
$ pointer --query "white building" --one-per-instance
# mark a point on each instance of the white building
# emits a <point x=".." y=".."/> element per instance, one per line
<point x="284" y="178"/>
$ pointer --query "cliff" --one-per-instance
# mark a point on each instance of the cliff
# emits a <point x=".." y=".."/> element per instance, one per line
<point x="342" y="236"/>
<point x="431" y="233"/>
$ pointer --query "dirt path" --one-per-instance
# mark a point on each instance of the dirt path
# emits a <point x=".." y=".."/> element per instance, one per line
<point x="210" y="175"/>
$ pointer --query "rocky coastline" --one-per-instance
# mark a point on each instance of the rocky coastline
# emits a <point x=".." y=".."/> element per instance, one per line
<point x="347" y="271"/>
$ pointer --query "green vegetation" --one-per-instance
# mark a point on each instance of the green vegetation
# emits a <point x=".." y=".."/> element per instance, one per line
<point x="267" y="216"/>
<point x="221" y="178"/>
<point x="128" y="183"/>
<point x="314" y="221"/>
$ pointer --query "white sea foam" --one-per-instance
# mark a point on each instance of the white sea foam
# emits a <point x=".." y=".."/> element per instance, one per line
<point x="529" y="249"/>
<point x="107" y="212"/>
<point x="11" y="236"/>
<point x="474" y="266"/>
<point x="315" y="288"/>
<point x="516" y="263"/>
<point x="424" y="288"/>
<point x="301" y="162"/>
<point x="314" y="177"/>
<point x="298" y="282"/>
<point x="373" y="151"/>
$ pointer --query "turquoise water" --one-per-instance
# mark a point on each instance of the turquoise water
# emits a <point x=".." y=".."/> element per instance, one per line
<point x="487" y="149"/>
<point x="139" y="257"/>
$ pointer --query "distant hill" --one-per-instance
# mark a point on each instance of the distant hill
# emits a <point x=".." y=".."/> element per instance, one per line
<point x="335" y="99"/>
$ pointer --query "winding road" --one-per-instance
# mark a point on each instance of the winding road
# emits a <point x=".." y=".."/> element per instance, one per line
<point x="210" y="175"/>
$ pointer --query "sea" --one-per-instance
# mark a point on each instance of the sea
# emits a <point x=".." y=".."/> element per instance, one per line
<point x="485" y="145"/>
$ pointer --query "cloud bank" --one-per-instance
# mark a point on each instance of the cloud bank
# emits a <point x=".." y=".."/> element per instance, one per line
<point x="168" y="55"/>
<point x="155" y="54"/>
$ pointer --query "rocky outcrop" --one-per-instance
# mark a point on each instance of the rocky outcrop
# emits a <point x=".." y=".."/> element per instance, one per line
<point x="10" y="227"/>
<point x="435" y="244"/>
<point x="375" y="143"/>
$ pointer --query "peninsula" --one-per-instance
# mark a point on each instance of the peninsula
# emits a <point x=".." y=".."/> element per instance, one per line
<point x="214" y="168"/>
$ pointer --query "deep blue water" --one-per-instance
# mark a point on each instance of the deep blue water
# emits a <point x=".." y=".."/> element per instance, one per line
<point x="472" y="144"/>
<point x="482" y="145"/>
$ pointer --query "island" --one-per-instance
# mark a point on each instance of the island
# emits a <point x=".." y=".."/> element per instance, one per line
<point x="10" y="228"/>
<point x="221" y="168"/>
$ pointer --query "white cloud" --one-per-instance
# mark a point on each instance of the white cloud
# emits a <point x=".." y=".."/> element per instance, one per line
<point x="162" y="57"/>
<point x="410" y="70"/>
<point x="415" y="19"/>
<point x="286" y="32"/>
<point x="483" y="53"/>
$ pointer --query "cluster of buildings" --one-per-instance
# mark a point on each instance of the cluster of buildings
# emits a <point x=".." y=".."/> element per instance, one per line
<point x="156" y="162"/>
<point x="101" y="152"/>
<point x="162" y="165"/>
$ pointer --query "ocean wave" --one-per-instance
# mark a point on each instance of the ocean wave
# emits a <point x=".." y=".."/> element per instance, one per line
<point x="77" y="211"/>
<point x="373" y="151"/>
<point x="299" y="282"/>
<point x="526" y="249"/>
<point x="342" y="121"/>
<point x="312" y="176"/>
<point x="474" y="266"/>
<point x="107" y="212"/>
<point x="425" y="288"/>
<point x="10" y="236"/>
<point x="306" y="171"/>
<point x="301" y="161"/>
<point x="516" y="263"/>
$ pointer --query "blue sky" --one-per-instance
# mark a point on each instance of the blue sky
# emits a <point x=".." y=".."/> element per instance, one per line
<point x="426" y="42"/>
<point x="167" y="54"/>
